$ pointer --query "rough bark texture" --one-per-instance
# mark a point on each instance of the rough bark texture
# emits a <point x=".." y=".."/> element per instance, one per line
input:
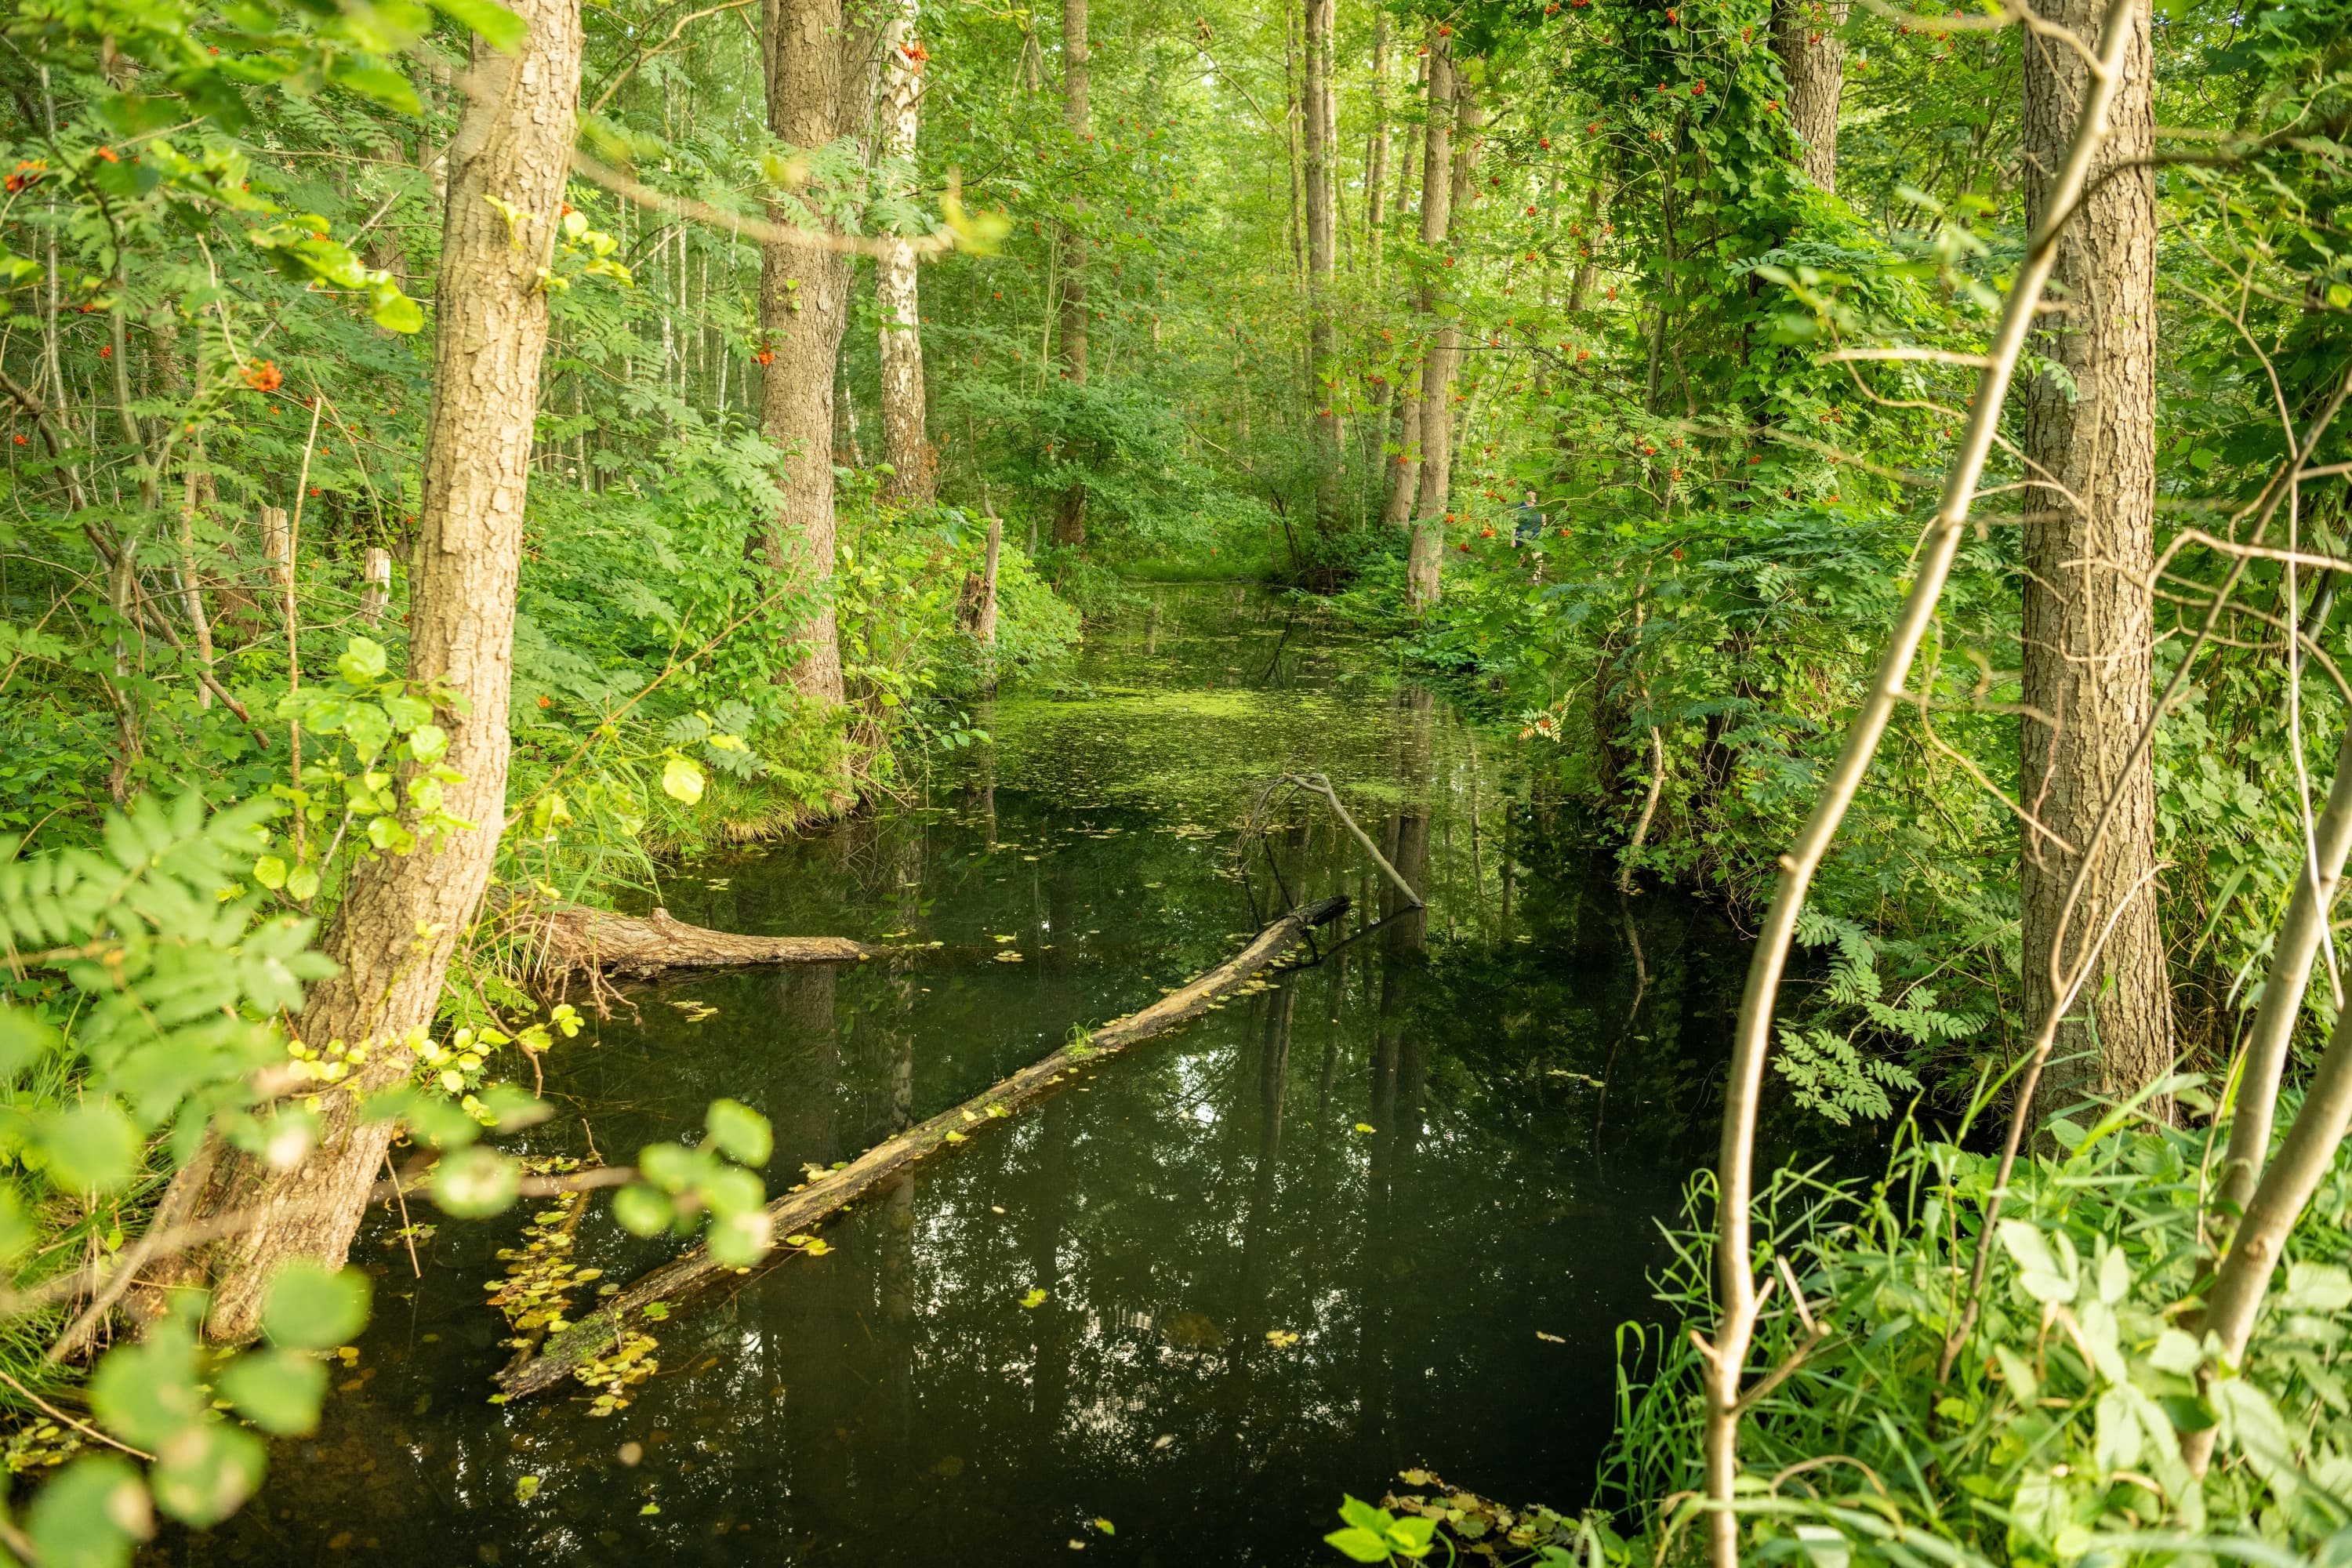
<point x="402" y="914"/>
<point x="904" y="442"/>
<point x="1812" y="60"/>
<point x="1322" y="246"/>
<point x="803" y="306"/>
<point x="1427" y="554"/>
<point x="804" y="1209"/>
<point x="2087" y="614"/>
<point x="572" y="937"/>
<point x="1070" y="513"/>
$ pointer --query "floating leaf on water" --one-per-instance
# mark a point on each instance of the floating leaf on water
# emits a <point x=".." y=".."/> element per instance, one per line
<point x="1037" y="1298"/>
<point x="1105" y="1527"/>
<point x="1549" y="1338"/>
<point x="649" y="1508"/>
<point x="1162" y="1441"/>
<point x="1281" y="1339"/>
<point x="1364" y="1127"/>
<point x="526" y="1487"/>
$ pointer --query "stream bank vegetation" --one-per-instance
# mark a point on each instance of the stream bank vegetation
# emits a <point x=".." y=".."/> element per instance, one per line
<point x="460" y="457"/>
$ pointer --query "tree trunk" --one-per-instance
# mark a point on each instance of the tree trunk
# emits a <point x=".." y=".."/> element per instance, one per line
<point x="402" y="914"/>
<point x="803" y="306"/>
<point x="2089" y="549"/>
<point x="1812" y="60"/>
<point x="1070" y="513"/>
<point x="914" y="470"/>
<point x="1376" y="157"/>
<point x="1427" y="557"/>
<point x="1322" y="235"/>
<point x="1404" y="463"/>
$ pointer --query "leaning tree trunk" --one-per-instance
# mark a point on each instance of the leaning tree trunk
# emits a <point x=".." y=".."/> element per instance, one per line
<point x="402" y="914"/>
<point x="913" y="470"/>
<point x="803" y="306"/>
<point x="1812" y="60"/>
<point x="2089" y="552"/>
<point x="1322" y="242"/>
<point x="1070" y="515"/>
<point x="1425" y="560"/>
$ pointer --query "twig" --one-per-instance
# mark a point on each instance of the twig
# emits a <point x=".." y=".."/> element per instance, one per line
<point x="407" y="1226"/>
<point x="1320" y="783"/>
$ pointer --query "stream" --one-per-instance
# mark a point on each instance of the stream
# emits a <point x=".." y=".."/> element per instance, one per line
<point x="1437" y="1157"/>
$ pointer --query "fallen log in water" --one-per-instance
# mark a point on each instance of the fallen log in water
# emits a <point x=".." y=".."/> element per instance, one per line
<point x="570" y="937"/>
<point x="806" y="1206"/>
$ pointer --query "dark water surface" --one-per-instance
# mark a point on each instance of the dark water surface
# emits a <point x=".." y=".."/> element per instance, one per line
<point x="1446" y="1139"/>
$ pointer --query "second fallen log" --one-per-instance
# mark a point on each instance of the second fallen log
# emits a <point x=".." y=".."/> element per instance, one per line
<point x="570" y="937"/>
<point x="807" y="1206"/>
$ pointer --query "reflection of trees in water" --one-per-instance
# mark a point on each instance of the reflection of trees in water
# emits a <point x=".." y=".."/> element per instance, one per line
<point x="1532" y="1103"/>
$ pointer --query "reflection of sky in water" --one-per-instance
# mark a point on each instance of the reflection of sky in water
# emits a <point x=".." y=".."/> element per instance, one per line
<point x="1405" y="1156"/>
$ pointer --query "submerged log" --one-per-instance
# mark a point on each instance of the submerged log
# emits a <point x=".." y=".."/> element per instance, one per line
<point x="805" y="1207"/>
<point x="573" y="937"/>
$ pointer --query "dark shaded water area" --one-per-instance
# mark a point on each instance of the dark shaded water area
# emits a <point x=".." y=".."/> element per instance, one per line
<point x="1420" y="1156"/>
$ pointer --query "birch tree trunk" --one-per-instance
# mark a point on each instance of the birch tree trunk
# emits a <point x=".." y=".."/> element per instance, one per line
<point x="904" y="444"/>
<point x="803" y="307"/>
<point x="1070" y="516"/>
<point x="1426" y="560"/>
<point x="1322" y="235"/>
<point x="1812" y="60"/>
<point x="1404" y="463"/>
<point x="402" y="914"/>
<point x="2089" y="549"/>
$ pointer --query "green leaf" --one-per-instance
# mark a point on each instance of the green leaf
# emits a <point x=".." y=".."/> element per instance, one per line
<point x="270" y="872"/>
<point x="368" y="729"/>
<point x="739" y="1240"/>
<point x="396" y="312"/>
<point x="147" y="1392"/>
<point x="204" y="1472"/>
<point x="475" y="1182"/>
<point x="1360" y="1545"/>
<point x="428" y="742"/>
<point x="277" y="1390"/>
<point x="682" y="780"/>
<point x="90" y="1147"/>
<point x="311" y="1308"/>
<point x="2317" y="1288"/>
<point x="642" y="1210"/>
<point x="501" y="28"/>
<point x="24" y="1039"/>
<point x="91" y="1515"/>
<point x="741" y="1133"/>
<point x="362" y="662"/>
<point x="302" y="882"/>
<point x="380" y="84"/>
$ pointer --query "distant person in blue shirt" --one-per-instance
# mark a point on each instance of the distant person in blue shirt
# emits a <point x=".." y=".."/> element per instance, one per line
<point x="1531" y="522"/>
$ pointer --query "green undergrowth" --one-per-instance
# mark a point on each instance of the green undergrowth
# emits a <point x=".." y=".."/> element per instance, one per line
<point x="2055" y="1437"/>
